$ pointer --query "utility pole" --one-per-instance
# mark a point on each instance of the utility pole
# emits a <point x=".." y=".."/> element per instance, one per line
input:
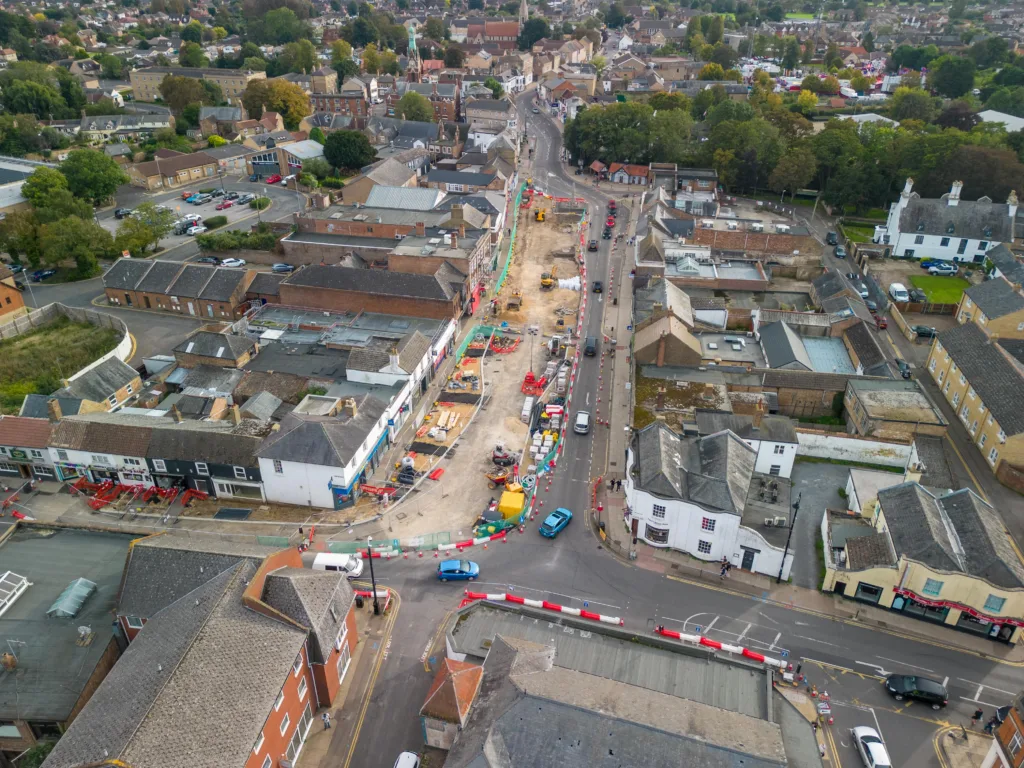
<point x="789" y="536"/>
<point x="373" y="580"/>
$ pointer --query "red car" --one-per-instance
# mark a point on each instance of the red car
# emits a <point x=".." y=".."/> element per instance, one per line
<point x="274" y="179"/>
<point x="225" y="204"/>
<point x="186" y="195"/>
<point x="610" y="222"/>
<point x="612" y="206"/>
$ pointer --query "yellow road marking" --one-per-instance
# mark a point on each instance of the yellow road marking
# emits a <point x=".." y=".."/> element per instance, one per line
<point x="832" y="748"/>
<point x="981" y="491"/>
<point x="368" y="693"/>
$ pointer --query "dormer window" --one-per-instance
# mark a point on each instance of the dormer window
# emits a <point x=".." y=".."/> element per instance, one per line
<point x="920" y="227"/>
<point x="950" y="228"/>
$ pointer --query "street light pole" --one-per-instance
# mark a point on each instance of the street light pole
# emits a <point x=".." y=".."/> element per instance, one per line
<point x="373" y="580"/>
<point x="792" y="525"/>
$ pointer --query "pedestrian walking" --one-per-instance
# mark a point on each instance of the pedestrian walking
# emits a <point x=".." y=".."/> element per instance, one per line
<point x="326" y="717"/>
<point x="301" y="534"/>
<point x="991" y="724"/>
<point x="976" y="718"/>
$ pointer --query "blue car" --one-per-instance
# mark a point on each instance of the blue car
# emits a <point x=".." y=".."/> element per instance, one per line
<point x="555" y="522"/>
<point x="927" y="263"/>
<point x="193" y="198"/>
<point x="456" y="570"/>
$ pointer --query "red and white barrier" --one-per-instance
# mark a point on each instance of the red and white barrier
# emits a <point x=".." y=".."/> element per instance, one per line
<point x="461" y="545"/>
<point x="507" y="598"/>
<point x="739" y="650"/>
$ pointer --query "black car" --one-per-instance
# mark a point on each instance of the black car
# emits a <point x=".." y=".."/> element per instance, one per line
<point x="840" y="252"/>
<point x="832" y="238"/>
<point x="41" y="274"/>
<point x="923" y="331"/>
<point x="217" y="193"/>
<point x="904" y="368"/>
<point x="592" y="246"/>
<point x="922" y="689"/>
<point x="871" y="305"/>
<point x="254" y="177"/>
<point x="207" y="260"/>
<point x="918" y="296"/>
<point x="598" y="286"/>
<point x="607" y="234"/>
<point x="123" y="213"/>
<point x="232" y="196"/>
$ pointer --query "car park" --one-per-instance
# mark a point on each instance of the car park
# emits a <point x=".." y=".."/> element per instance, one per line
<point x="923" y="331"/>
<point x="232" y="196"/>
<point x="197" y="230"/>
<point x="232" y="262"/>
<point x="41" y="274"/>
<point x="592" y="246"/>
<point x="123" y="213"/>
<point x="555" y="522"/>
<point x="947" y="270"/>
<point x="840" y="252"/>
<point x="916" y="688"/>
<point x="282" y="268"/>
<point x="201" y="199"/>
<point x="870" y="747"/>
<point x="598" y="286"/>
<point x="223" y="205"/>
<point x="246" y="198"/>
<point x="457" y="570"/>
<point x="186" y="195"/>
<point x="274" y="179"/>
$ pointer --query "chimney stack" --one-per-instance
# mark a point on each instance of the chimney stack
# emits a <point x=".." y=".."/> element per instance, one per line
<point x="908" y="187"/>
<point x="758" y="414"/>
<point x="53" y="406"/>
<point x="455" y="241"/>
<point x="1011" y="202"/>
<point x="462" y="229"/>
<point x="236" y="415"/>
<point x="393" y="358"/>
<point x="176" y="414"/>
<point x="350" y="406"/>
<point x="954" y="193"/>
<point x="661" y="350"/>
<point x="421" y="229"/>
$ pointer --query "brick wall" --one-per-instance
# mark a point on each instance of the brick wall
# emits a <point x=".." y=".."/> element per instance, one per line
<point x="299" y="253"/>
<point x="755" y="242"/>
<point x="345" y="301"/>
<point x="804" y="402"/>
<point x="1010" y="476"/>
<point x="354" y="228"/>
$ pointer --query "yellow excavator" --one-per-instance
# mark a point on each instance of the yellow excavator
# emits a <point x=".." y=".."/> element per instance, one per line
<point x="547" y="279"/>
<point x="539" y="214"/>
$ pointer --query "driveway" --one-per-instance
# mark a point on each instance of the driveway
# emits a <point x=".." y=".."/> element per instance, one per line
<point x="818" y="485"/>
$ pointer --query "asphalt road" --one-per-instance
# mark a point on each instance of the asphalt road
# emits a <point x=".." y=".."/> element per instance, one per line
<point x="844" y="658"/>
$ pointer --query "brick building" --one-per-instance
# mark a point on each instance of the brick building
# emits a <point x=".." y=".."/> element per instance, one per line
<point x="218" y="349"/>
<point x="172" y="169"/>
<point x="443" y="97"/>
<point x="354" y="105"/>
<point x="194" y="289"/>
<point x="502" y="34"/>
<point x="11" y="302"/>
<point x="233" y="648"/>
<point x="1007" y="749"/>
<point x="233" y="82"/>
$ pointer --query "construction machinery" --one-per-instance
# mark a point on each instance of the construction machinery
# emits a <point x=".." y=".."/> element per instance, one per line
<point x="515" y="301"/>
<point x="547" y="279"/>
<point x="539" y="214"/>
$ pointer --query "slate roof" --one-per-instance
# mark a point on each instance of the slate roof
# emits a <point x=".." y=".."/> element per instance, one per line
<point x="829" y="284"/>
<point x="223" y="284"/>
<point x="405" y="284"/>
<point x="266" y="284"/>
<point x="712" y="471"/>
<point x="503" y="106"/>
<point x="998" y="383"/>
<point x="214" y="447"/>
<point x="390" y="173"/>
<point x="219" y="345"/>
<point x="664" y="292"/>
<point x="783" y="347"/>
<point x="37" y="406"/>
<point x="1015" y="347"/>
<point x="319" y="600"/>
<point x="23" y="432"/>
<point x="261" y="406"/>
<point x="221" y="114"/>
<point x="976" y="220"/>
<point x="955" y="532"/>
<point x="328" y="441"/>
<point x="465" y="178"/>
<point x="775" y="429"/>
<point x="1007" y="263"/>
<point x="191" y="281"/>
<point x="99" y="383"/>
<point x="452" y="692"/>
<point x="869" y="352"/>
<point x="126" y="273"/>
<point x="76" y="433"/>
<point x="996" y="298"/>
<point x="159" y="277"/>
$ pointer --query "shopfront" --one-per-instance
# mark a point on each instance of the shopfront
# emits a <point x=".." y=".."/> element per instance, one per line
<point x="957" y="615"/>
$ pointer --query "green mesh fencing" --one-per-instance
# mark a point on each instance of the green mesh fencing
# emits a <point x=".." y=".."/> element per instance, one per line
<point x="273" y="541"/>
<point x="428" y="541"/>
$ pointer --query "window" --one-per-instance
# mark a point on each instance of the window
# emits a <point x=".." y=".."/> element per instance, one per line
<point x="240" y="473"/>
<point x="964" y="411"/>
<point x="303" y="688"/>
<point x="963" y="379"/>
<point x="1015" y="744"/>
<point x="344" y="659"/>
<point x="967" y="302"/>
<point x="1001" y="436"/>
<point x="267" y="762"/>
<point x="133" y="462"/>
<point x="780" y="449"/>
<point x="944" y="242"/>
<point x="942" y="375"/>
<point x="112" y="399"/>
<point x="919" y="240"/>
<point x="202" y="469"/>
<point x="931" y="365"/>
<point x="128" y="388"/>
<point x="962" y="247"/>
<point x="704" y="547"/>
<point x="278" y="467"/>
<point x="970" y="392"/>
<point x="279" y="702"/>
<point x="974" y="426"/>
<point x="285" y="723"/>
<point x="995" y="603"/>
<point x="707" y="524"/>
<point x="656" y="535"/>
<point x="983" y="245"/>
<point x="259" y="745"/>
<point x="37" y="454"/>
<point x="908" y="252"/>
<point x="992" y="456"/>
<point x="956" y="397"/>
<point x="98" y="459"/>
<point x="159" y="465"/>
<point x="297" y="666"/>
<point x="932" y="587"/>
<point x="981" y="442"/>
<point x="775" y="469"/>
<point x="134" y="622"/>
<point x="62" y="455"/>
<point x="658" y="511"/>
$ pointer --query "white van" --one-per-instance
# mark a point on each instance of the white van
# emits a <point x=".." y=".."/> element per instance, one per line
<point x="350" y="565"/>
<point x="898" y="292"/>
<point x="408" y="760"/>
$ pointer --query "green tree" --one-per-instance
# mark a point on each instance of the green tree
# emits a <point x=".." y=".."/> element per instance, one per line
<point x="830" y="85"/>
<point x="178" y="92"/>
<point x="533" y="30"/>
<point x="299" y="57"/>
<point x="216" y="141"/>
<point x="496" y="88"/>
<point x="806" y="101"/>
<point x="795" y="170"/>
<point x="23" y="97"/>
<point x="951" y="76"/>
<point x="868" y="42"/>
<point x="41" y="185"/>
<point x="317" y="135"/>
<point x="791" y="56"/>
<point x="412" y="106"/>
<point x="191" y="55"/>
<point x="716" y="30"/>
<point x="371" y="60"/>
<point x="363" y="31"/>
<point x="113" y="67"/>
<point x="434" y="29"/>
<point x="454" y="57"/>
<point x="73" y="238"/>
<point x="912" y="104"/>
<point x="341" y="51"/>
<point x="254" y="64"/>
<point x="389" y="63"/>
<point x="600" y="63"/>
<point x="860" y="83"/>
<point x="92" y="175"/>
<point x="278" y="26"/>
<point x="664" y="101"/>
<point x="616" y="16"/>
<point x="277" y="96"/>
<point x="317" y="166"/>
<point x="192" y="33"/>
<point x="349" y="149"/>
<point x="711" y="71"/>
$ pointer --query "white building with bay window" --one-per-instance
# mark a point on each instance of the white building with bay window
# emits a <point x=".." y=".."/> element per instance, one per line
<point x="703" y="496"/>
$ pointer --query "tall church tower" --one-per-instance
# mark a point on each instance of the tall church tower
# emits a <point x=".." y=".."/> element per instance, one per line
<point x="524" y="13"/>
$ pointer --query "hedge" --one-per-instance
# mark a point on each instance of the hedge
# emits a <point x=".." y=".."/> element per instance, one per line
<point x="333" y="182"/>
<point x="237" y="239"/>
<point x="260" y="203"/>
<point x="215" y="221"/>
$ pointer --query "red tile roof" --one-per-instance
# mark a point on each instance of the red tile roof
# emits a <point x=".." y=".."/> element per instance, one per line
<point x="452" y="692"/>
<point x="23" y="432"/>
<point x="632" y="170"/>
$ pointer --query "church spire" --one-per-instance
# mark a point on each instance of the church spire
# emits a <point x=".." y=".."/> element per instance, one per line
<point x="524" y="13"/>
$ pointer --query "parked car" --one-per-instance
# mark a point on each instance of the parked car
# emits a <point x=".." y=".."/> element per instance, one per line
<point x="923" y="331"/>
<point x="122" y="213"/>
<point x="872" y="306"/>
<point x="898" y="292"/>
<point x="218" y="193"/>
<point x="193" y="197"/>
<point x="918" y="296"/>
<point x="870" y="747"/>
<point x="282" y="268"/>
<point x="16" y="267"/>
<point x="274" y="179"/>
<point x="254" y="177"/>
<point x="457" y="570"/>
<point x="246" y="199"/>
<point x="840" y="252"/>
<point x="232" y="196"/>
<point x="852" y="276"/>
<point x="223" y="205"/>
<point x="536" y="111"/>
<point x="904" y="368"/>
<point x="196" y="230"/>
<point x="880" y="322"/>
<point x="916" y="688"/>
<point x="592" y="246"/>
<point x="555" y="522"/>
<point x="186" y="195"/>
<point x="862" y="290"/>
<point x="208" y="260"/>
<point x="928" y="263"/>
<point x="201" y="199"/>
<point x="41" y="274"/>
<point x="286" y="179"/>
<point x="233" y="263"/>
<point x="598" y="286"/>
<point x="944" y="269"/>
<point x="832" y="239"/>
<point x="350" y="565"/>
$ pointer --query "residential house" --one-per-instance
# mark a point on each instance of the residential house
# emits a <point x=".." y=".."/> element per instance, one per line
<point x="1006" y="264"/>
<point x="949" y="228"/>
<point x="446" y="708"/>
<point x="324" y="80"/>
<point x="24" y="448"/>
<point x="389" y="173"/>
<point x="464" y="182"/>
<point x="136" y="127"/>
<point x="984" y="384"/>
<point x="625" y="173"/>
<point x="12" y="303"/>
<point x="691" y="494"/>
<point x="941" y="557"/>
<point x="365" y="85"/>
<point x="664" y="326"/>
<point x="354" y="105"/>
<point x="220" y="121"/>
<point x="492" y="113"/>
<point x="773" y="438"/>
<point x="170" y="170"/>
<point x="995" y="306"/>
<point x="107" y="384"/>
<point x="444" y="98"/>
<point x="233" y="82"/>
<point x="891" y="408"/>
<point x="225" y="350"/>
<point x="100" y="451"/>
<point x="199" y="290"/>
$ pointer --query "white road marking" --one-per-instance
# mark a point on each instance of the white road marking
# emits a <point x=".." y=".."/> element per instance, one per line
<point x="982" y="685"/>
<point x="802" y="623"/>
<point x="744" y="632"/>
<point x="977" y="693"/>
<point x="709" y="626"/>
<point x="766" y="616"/>
<point x="878" y="728"/>
<point x="588" y="398"/>
<point x="986" y="703"/>
<point x="880" y="670"/>
<point x="905" y="664"/>
<point x="772" y="646"/>
<point x="816" y="640"/>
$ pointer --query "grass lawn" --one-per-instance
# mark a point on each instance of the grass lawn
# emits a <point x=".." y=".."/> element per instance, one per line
<point x="35" y="363"/>
<point x="859" y="234"/>
<point x="941" y="289"/>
